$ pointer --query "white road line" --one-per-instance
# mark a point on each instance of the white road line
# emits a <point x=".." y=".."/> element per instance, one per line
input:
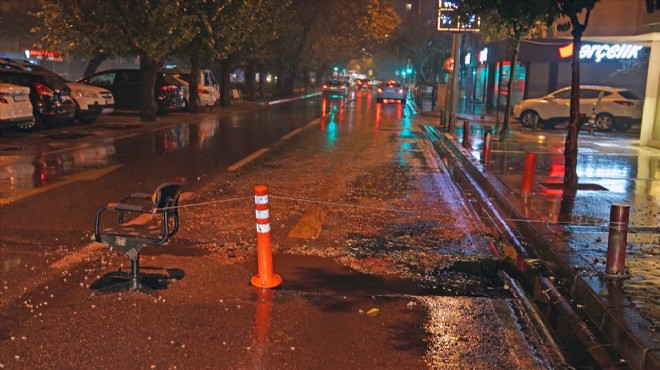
<point x="291" y="134"/>
<point x="247" y="159"/>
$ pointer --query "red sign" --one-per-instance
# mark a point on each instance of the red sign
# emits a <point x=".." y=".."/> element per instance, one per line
<point x="44" y="54"/>
<point x="449" y="64"/>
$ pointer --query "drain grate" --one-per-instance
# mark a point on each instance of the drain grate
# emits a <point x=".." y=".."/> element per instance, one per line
<point x="560" y="186"/>
<point x="67" y="136"/>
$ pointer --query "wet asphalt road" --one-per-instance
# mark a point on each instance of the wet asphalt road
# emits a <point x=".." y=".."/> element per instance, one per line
<point x="367" y="227"/>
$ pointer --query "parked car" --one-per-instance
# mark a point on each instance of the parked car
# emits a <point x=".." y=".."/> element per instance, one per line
<point x="208" y="90"/>
<point x="15" y="106"/>
<point x="391" y="90"/>
<point x="334" y="87"/>
<point x="124" y="84"/>
<point x="613" y="108"/>
<point x="91" y="101"/>
<point x="49" y="95"/>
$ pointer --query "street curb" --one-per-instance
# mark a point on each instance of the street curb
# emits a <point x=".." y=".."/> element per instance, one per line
<point x="617" y="319"/>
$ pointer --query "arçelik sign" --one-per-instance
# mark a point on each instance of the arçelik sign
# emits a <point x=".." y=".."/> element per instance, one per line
<point x="599" y="52"/>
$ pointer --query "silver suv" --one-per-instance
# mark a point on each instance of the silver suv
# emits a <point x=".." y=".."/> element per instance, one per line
<point x="614" y="108"/>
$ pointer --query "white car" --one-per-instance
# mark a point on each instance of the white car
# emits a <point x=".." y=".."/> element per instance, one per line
<point x="15" y="106"/>
<point x="613" y="108"/>
<point x="91" y="101"/>
<point x="391" y="90"/>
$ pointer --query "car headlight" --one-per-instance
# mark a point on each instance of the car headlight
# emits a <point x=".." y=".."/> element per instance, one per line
<point x="86" y="94"/>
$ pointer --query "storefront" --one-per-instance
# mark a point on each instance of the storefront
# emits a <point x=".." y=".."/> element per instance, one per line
<point x="546" y="66"/>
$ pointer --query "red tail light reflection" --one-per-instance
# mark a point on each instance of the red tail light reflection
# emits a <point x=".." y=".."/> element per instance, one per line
<point x="169" y="88"/>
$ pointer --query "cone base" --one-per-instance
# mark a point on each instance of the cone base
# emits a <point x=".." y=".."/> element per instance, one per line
<point x="274" y="281"/>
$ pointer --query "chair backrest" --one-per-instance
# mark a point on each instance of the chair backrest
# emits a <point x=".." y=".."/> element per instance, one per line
<point x="167" y="194"/>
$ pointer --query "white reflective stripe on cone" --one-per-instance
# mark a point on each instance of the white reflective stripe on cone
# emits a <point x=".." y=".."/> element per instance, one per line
<point x="261" y="199"/>
<point x="263" y="228"/>
<point x="262" y="214"/>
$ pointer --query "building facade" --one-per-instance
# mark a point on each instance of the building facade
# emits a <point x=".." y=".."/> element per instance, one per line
<point x="620" y="48"/>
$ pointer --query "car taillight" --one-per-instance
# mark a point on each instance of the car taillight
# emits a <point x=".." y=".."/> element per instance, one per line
<point x="400" y="91"/>
<point x="625" y="103"/>
<point x="169" y="88"/>
<point x="325" y="87"/>
<point x="43" y="89"/>
<point x="380" y="90"/>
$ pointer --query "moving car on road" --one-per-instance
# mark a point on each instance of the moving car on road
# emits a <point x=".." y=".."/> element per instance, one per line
<point x="614" y="108"/>
<point x="15" y="106"/>
<point x="334" y="87"/>
<point x="391" y="90"/>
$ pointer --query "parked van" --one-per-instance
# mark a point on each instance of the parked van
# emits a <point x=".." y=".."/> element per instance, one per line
<point x="208" y="88"/>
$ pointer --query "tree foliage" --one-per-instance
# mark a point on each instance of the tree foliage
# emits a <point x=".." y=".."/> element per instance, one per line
<point x="315" y="36"/>
<point x="513" y="20"/>
<point x="149" y="29"/>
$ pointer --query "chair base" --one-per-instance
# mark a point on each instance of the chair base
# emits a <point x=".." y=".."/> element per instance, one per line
<point x="126" y="281"/>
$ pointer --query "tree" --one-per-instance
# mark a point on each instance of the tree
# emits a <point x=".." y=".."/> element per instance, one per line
<point x="317" y="35"/>
<point x="417" y="39"/>
<point x="513" y="20"/>
<point x="151" y="30"/>
<point x="574" y="10"/>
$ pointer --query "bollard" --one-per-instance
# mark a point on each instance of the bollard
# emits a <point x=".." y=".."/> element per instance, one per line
<point x="265" y="277"/>
<point x="617" y="239"/>
<point x="488" y="138"/>
<point x="466" y="134"/>
<point x="528" y="174"/>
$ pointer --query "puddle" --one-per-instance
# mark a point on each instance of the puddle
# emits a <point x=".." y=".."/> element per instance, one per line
<point x="560" y="186"/>
<point x="325" y="276"/>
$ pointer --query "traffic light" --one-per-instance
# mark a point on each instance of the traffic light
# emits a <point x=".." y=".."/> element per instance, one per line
<point x="409" y="70"/>
<point x="336" y="68"/>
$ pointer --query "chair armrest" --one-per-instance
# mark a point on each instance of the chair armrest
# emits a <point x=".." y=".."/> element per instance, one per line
<point x="127" y="207"/>
<point x="142" y="196"/>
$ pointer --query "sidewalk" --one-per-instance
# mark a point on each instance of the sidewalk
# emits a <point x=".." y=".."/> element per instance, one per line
<point x="571" y="237"/>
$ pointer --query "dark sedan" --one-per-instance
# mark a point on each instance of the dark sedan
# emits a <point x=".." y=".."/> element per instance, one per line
<point x="49" y="95"/>
<point x="124" y="84"/>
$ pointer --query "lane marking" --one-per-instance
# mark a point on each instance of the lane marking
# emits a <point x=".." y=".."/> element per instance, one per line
<point x="291" y="134"/>
<point x="66" y="180"/>
<point x="247" y="159"/>
<point x="309" y="226"/>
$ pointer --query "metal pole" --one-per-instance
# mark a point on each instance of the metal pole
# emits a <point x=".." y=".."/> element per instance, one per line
<point x="466" y="134"/>
<point x="617" y="239"/>
<point x="455" y="74"/>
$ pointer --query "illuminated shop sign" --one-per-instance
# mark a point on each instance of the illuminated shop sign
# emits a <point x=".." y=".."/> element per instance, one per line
<point x="44" y="55"/>
<point x="599" y="52"/>
<point x="448" y="20"/>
